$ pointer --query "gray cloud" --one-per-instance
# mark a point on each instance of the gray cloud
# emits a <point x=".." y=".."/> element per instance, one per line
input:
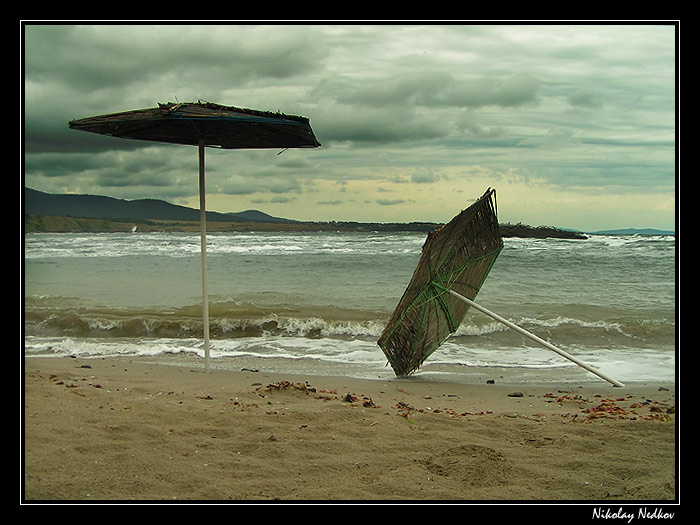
<point x="590" y="107"/>
<point x="585" y="99"/>
<point x="389" y="202"/>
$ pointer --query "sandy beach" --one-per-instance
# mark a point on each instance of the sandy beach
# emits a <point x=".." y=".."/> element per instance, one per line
<point x="131" y="430"/>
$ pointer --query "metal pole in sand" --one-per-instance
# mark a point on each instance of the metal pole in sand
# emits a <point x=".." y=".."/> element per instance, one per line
<point x="534" y="338"/>
<point x="203" y="235"/>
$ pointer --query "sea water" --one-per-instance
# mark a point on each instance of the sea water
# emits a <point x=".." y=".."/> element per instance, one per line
<point x="315" y="303"/>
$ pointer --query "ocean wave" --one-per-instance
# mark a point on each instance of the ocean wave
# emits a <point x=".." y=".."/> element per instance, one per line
<point x="360" y="358"/>
<point x="178" y="245"/>
<point x="231" y="322"/>
<point x="562" y="330"/>
<point x="236" y="320"/>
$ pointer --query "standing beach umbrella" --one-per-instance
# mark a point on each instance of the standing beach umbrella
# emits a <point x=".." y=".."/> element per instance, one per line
<point x="205" y="124"/>
<point x="453" y="265"/>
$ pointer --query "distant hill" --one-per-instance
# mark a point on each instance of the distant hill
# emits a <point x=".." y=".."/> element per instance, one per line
<point x="38" y="203"/>
<point x="634" y="231"/>
<point x="258" y="216"/>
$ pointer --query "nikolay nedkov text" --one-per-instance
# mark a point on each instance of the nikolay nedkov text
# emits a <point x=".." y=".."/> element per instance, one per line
<point x="642" y="513"/>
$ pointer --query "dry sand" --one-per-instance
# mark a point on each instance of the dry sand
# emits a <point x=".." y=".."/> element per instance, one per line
<point x="130" y="430"/>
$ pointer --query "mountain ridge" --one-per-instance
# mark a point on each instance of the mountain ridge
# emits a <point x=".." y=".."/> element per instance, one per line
<point x="100" y="213"/>
<point x="100" y="207"/>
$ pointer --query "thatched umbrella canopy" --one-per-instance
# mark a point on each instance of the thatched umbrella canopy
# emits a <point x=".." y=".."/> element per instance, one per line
<point x="226" y="127"/>
<point x="456" y="257"/>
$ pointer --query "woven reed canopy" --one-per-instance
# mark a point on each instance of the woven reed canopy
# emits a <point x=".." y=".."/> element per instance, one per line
<point x="219" y="126"/>
<point x="456" y="257"/>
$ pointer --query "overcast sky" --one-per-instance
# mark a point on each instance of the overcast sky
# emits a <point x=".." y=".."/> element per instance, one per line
<point x="574" y="125"/>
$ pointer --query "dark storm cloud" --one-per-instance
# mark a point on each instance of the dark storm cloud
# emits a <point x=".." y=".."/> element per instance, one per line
<point x="563" y="106"/>
<point x="443" y="90"/>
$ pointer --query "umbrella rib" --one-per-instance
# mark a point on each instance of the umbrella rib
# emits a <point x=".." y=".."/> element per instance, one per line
<point x="203" y="133"/>
<point x="420" y="325"/>
<point x="439" y="297"/>
<point x="123" y="128"/>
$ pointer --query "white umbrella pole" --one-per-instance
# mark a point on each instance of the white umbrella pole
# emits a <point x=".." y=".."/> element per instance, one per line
<point x="203" y="234"/>
<point x="535" y="338"/>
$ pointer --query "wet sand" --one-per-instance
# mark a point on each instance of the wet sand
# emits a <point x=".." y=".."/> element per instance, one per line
<point x="131" y="430"/>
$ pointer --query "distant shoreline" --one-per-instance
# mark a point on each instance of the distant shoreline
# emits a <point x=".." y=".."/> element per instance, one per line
<point x="63" y="224"/>
<point x="55" y="213"/>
